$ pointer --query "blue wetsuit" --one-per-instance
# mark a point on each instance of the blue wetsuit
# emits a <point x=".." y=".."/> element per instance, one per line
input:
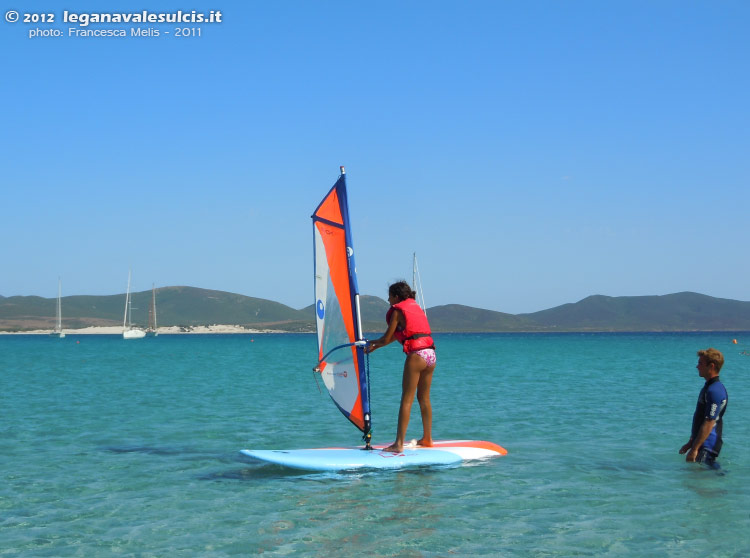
<point x="712" y="403"/>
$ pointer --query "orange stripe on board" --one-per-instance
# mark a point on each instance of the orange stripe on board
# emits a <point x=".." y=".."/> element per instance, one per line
<point x="472" y="444"/>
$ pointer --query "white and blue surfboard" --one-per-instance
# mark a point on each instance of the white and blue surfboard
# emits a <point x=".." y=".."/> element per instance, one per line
<point x="443" y="452"/>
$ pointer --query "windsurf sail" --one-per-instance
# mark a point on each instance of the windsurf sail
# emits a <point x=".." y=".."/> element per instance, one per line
<point x="341" y="345"/>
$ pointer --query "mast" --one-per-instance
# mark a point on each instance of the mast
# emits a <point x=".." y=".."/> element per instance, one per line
<point x="127" y="304"/>
<point x="414" y="272"/>
<point x="151" y="329"/>
<point x="360" y="342"/>
<point x="153" y="303"/>
<point x="359" y="334"/>
<point x="58" y="331"/>
<point x="416" y="282"/>
<point x="59" y="305"/>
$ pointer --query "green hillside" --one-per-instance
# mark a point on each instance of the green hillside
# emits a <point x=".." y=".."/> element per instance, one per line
<point x="673" y="312"/>
<point x="189" y="306"/>
<point x="458" y="318"/>
<point x="176" y="306"/>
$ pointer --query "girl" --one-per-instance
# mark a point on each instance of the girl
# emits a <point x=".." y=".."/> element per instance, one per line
<point x="408" y="324"/>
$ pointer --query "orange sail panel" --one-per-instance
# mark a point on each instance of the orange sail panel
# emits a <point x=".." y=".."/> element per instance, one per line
<point x="341" y="357"/>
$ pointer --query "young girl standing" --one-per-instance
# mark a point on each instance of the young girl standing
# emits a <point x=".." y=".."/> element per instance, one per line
<point x="407" y="323"/>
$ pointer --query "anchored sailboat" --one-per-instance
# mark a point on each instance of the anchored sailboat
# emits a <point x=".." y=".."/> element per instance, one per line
<point x="58" y="331"/>
<point x="343" y="364"/>
<point x="152" y="330"/>
<point x="416" y="284"/>
<point x="128" y="330"/>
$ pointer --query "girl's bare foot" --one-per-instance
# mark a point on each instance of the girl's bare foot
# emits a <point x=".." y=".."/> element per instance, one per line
<point x="425" y="443"/>
<point x="395" y="448"/>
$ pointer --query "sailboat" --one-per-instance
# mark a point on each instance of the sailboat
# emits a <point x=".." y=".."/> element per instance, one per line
<point x="416" y="284"/>
<point x="58" y="331"/>
<point x="128" y="331"/>
<point x="343" y="364"/>
<point x="152" y="330"/>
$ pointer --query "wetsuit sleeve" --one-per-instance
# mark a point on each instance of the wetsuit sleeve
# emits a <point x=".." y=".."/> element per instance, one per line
<point x="716" y="400"/>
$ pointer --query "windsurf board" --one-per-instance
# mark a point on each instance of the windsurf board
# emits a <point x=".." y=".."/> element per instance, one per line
<point x="443" y="452"/>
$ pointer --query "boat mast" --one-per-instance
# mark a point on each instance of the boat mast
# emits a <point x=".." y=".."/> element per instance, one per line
<point x="153" y="303"/>
<point x="127" y="304"/>
<point x="416" y="283"/>
<point x="414" y="272"/>
<point x="59" y="305"/>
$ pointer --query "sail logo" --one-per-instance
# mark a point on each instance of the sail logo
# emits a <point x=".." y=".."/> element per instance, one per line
<point x="342" y="374"/>
<point x="320" y="310"/>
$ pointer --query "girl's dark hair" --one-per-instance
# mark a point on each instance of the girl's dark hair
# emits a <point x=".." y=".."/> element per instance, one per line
<point x="401" y="291"/>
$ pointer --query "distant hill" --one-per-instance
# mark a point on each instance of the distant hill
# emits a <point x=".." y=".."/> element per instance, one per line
<point x="190" y="306"/>
<point x="674" y="312"/>
<point x="455" y="317"/>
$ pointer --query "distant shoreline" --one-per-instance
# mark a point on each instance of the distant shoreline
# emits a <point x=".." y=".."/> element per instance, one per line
<point x="188" y="307"/>
<point x="172" y="330"/>
<point x="233" y="329"/>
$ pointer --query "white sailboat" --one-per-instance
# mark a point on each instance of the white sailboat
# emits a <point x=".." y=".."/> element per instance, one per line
<point x="416" y="284"/>
<point x="152" y="330"/>
<point x="128" y="331"/>
<point x="58" y="331"/>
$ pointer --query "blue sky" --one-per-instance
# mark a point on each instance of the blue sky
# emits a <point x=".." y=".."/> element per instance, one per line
<point x="531" y="153"/>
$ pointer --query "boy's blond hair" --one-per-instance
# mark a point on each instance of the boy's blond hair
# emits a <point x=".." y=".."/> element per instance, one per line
<point x="712" y="356"/>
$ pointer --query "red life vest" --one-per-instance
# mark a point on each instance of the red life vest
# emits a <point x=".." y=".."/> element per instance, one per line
<point x="416" y="334"/>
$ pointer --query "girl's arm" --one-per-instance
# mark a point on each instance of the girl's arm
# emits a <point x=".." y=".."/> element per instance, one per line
<point x="388" y="336"/>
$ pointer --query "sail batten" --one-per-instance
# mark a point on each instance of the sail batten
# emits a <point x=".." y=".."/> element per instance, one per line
<point x="341" y="357"/>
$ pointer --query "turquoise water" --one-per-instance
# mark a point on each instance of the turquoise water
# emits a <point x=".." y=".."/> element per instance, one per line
<point x="131" y="448"/>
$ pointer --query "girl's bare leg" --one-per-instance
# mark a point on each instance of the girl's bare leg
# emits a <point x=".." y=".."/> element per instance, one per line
<point x="409" y="383"/>
<point x="413" y="367"/>
<point x="425" y="406"/>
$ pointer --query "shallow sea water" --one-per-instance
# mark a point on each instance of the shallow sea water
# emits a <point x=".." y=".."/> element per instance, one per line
<point x="131" y="448"/>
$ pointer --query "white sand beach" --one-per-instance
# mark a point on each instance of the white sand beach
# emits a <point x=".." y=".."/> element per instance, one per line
<point x="172" y="330"/>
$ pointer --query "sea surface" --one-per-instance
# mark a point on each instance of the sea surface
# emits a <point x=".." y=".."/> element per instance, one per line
<point x="131" y="448"/>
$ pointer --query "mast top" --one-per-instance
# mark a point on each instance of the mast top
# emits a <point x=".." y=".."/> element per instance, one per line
<point x="343" y="170"/>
